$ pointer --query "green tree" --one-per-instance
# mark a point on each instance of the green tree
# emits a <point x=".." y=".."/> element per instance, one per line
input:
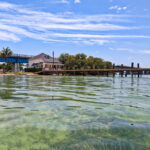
<point x="98" y="63"/>
<point x="81" y="62"/>
<point x="108" y="65"/>
<point x="5" y="53"/>
<point x="8" y="67"/>
<point x="70" y="63"/>
<point x="90" y="62"/>
<point x="63" y="57"/>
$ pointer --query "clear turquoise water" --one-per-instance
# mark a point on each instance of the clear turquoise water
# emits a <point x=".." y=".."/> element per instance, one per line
<point x="74" y="113"/>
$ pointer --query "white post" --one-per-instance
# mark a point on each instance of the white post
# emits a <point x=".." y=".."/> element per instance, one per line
<point x="16" y="67"/>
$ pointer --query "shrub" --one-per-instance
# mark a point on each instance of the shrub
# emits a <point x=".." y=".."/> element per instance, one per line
<point x="34" y="69"/>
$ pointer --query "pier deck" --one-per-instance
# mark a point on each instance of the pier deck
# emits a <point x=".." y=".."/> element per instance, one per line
<point x="132" y="71"/>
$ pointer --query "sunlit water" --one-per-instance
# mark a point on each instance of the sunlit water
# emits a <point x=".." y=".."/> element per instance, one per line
<point x="74" y="113"/>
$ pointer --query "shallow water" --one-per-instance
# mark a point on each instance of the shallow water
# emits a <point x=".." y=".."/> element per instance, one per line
<point x="74" y="113"/>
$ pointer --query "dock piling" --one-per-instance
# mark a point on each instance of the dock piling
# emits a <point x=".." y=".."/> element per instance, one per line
<point x="132" y="66"/>
<point x="138" y="66"/>
<point x="122" y="72"/>
<point x="113" y="71"/>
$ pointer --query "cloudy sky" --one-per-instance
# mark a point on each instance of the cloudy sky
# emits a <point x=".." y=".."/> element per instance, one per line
<point x="116" y="30"/>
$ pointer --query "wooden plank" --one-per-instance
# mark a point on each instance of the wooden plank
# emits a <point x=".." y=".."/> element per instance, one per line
<point x="94" y="70"/>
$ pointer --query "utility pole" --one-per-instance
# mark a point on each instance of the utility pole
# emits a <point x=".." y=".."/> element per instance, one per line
<point x="53" y="59"/>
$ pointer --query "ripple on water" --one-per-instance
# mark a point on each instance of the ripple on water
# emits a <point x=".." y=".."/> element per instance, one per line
<point x="92" y="113"/>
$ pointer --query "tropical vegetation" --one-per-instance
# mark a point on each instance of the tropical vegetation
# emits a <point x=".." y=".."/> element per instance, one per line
<point x="81" y="61"/>
<point x="78" y="61"/>
<point x="33" y="69"/>
<point x="5" y="53"/>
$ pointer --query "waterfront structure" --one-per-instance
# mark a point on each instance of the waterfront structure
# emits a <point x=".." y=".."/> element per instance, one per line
<point x="123" y="71"/>
<point x="46" y="62"/>
<point x="16" y="59"/>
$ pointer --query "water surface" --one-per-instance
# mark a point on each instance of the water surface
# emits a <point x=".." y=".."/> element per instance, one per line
<point x="74" y="113"/>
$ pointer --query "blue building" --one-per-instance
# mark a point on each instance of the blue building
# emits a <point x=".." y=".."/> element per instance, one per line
<point x="16" y="59"/>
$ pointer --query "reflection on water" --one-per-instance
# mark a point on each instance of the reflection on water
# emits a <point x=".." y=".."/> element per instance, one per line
<point x="74" y="113"/>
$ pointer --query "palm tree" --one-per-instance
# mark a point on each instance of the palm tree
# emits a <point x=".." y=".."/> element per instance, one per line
<point x="5" y="53"/>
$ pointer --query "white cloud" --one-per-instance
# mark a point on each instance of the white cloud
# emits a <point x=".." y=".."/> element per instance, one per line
<point x="77" y="1"/>
<point x="5" y="36"/>
<point x="117" y="8"/>
<point x="100" y="36"/>
<point x="4" y="5"/>
<point x="145" y="52"/>
<point x="124" y="49"/>
<point x="62" y="1"/>
<point x="17" y="22"/>
<point x="90" y="27"/>
<point x="100" y="42"/>
<point x="93" y="41"/>
<point x="136" y="51"/>
<point x="65" y="1"/>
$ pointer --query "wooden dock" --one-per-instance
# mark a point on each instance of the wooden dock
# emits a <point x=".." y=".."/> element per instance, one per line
<point x="105" y="72"/>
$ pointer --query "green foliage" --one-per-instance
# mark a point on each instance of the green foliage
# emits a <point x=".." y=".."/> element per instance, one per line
<point x="1" y="66"/>
<point x="34" y="69"/>
<point x="5" y="53"/>
<point x="108" y="65"/>
<point x="7" y="67"/>
<point x="70" y="62"/>
<point x="81" y="61"/>
<point x="63" y="57"/>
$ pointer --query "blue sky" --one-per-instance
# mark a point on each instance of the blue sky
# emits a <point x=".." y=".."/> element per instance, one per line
<point x="115" y="30"/>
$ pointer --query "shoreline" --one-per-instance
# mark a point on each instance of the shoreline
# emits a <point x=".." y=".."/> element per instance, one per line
<point x="17" y="73"/>
<point x="35" y="74"/>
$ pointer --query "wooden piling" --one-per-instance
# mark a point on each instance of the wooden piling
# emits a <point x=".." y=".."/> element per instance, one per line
<point x="113" y="71"/>
<point x="138" y="66"/>
<point x="122" y="72"/>
<point x="132" y="66"/>
<point x="107" y="73"/>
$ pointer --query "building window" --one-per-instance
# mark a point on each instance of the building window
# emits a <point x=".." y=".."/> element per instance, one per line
<point x="47" y="57"/>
